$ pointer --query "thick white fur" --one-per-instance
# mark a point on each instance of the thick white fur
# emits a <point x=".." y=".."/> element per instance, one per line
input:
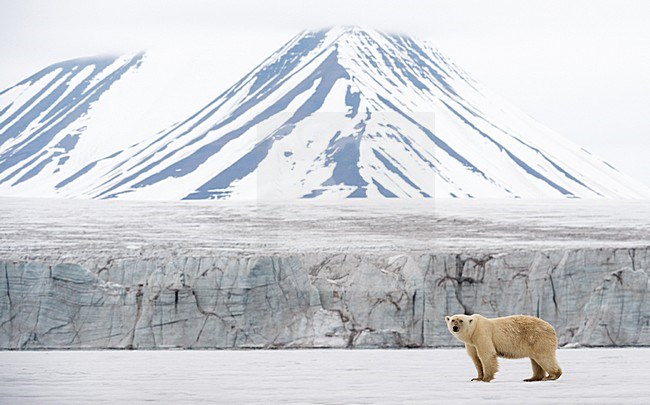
<point x="511" y="337"/>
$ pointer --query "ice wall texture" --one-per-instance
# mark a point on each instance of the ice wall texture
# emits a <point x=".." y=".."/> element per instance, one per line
<point x="593" y="297"/>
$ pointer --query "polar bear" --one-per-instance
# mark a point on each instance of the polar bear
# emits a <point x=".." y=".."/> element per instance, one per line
<point x="511" y="337"/>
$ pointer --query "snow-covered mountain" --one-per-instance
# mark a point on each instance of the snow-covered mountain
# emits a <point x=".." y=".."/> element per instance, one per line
<point x="338" y="113"/>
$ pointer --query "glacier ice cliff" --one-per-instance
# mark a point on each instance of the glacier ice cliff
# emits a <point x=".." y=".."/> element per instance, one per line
<point x="116" y="274"/>
<point x="592" y="296"/>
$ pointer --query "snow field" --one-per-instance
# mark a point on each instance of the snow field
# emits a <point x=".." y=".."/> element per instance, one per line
<point x="593" y="376"/>
<point x="73" y="229"/>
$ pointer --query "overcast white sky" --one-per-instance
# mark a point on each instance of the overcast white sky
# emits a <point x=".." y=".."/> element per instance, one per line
<point x="580" y="67"/>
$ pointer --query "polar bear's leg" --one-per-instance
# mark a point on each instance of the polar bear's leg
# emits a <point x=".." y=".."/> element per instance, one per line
<point x="488" y="356"/>
<point x="538" y="372"/>
<point x="549" y="364"/>
<point x="471" y="350"/>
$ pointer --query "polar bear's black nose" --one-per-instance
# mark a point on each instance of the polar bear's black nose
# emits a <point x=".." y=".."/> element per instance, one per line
<point x="455" y="328"/>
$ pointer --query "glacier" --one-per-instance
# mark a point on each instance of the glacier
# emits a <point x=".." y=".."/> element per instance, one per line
<point x="333" y="114"/>
<point x="592" y="297"/>
<point x="142" y="275"/>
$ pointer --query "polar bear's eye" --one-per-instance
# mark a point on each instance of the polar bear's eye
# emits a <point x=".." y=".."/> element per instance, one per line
<point x="461" y="321"/>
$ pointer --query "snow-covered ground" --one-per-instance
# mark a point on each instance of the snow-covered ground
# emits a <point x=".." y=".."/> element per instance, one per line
<point x="71" y="229"/>
<point x="593" y="376"/>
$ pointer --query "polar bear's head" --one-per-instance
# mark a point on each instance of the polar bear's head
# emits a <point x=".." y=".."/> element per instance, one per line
<point x="461" y="326"/>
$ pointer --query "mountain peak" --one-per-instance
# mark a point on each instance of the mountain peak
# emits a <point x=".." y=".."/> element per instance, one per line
<point x="343" y="112"/>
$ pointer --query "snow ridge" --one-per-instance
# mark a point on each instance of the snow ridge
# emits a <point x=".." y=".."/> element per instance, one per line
<point x="337" y="113"/>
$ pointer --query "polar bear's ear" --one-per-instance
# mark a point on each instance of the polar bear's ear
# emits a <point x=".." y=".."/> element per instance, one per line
<point x="446" y="318"/>
<point x="470" y="320"/>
